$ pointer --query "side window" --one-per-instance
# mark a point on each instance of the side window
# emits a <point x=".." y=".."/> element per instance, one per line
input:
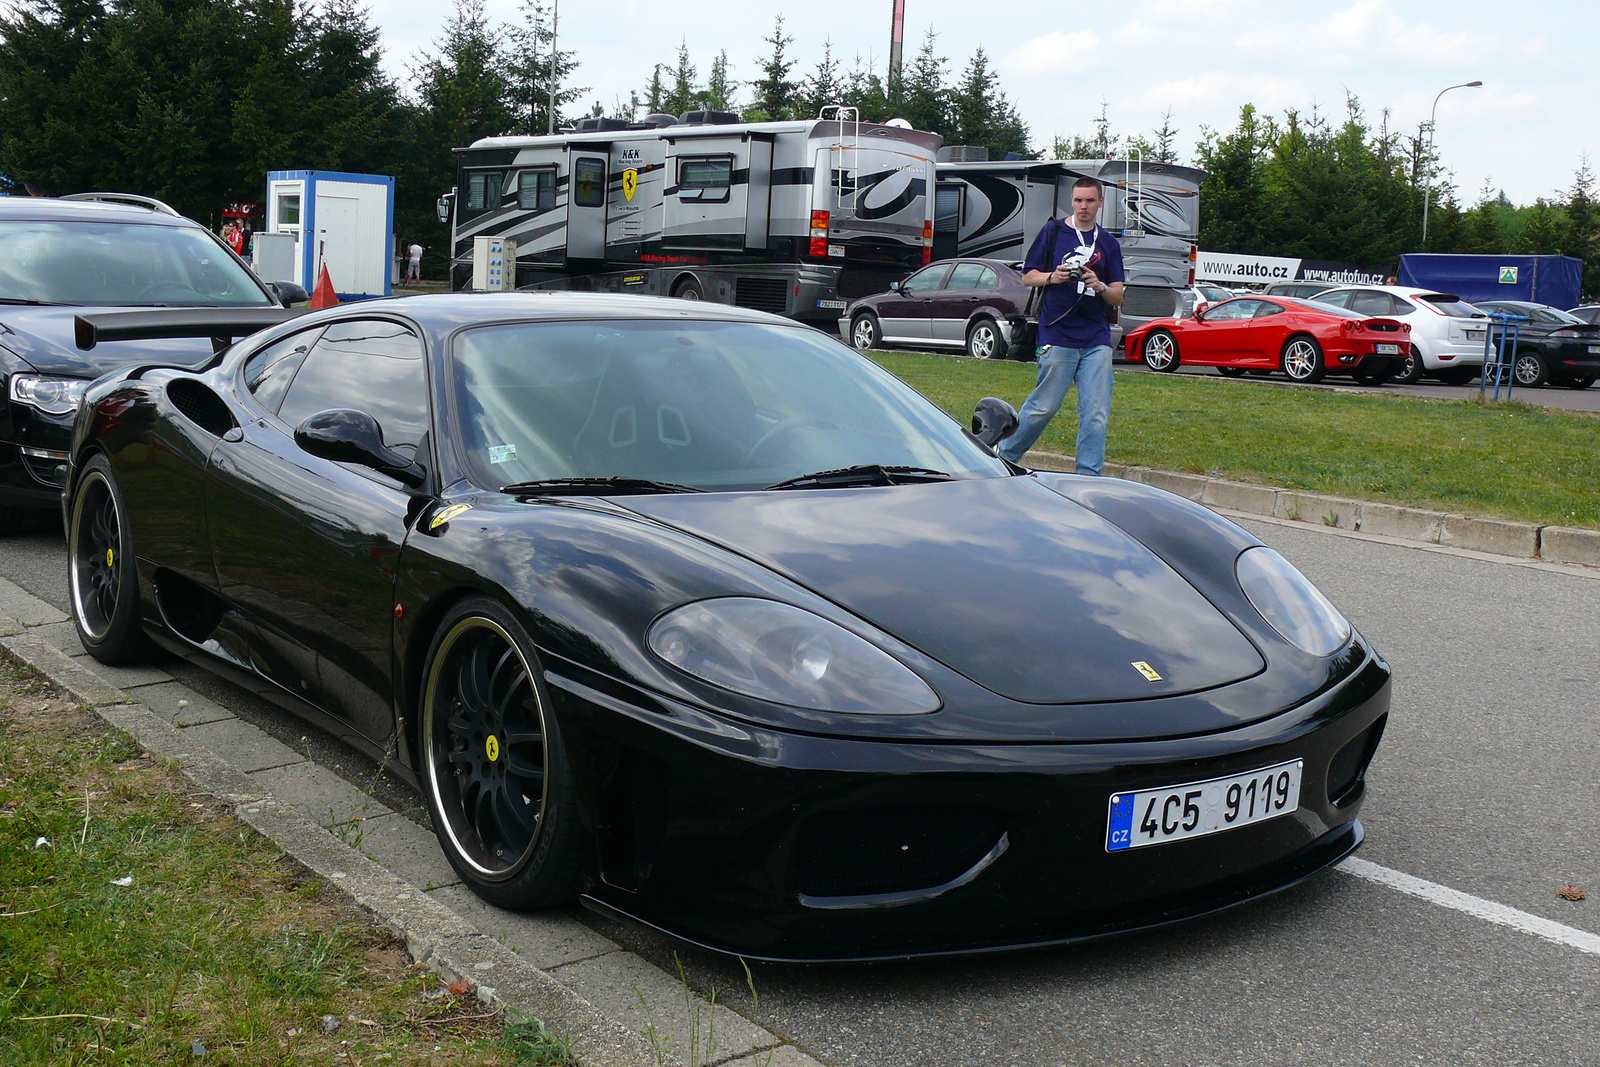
<point x="1232" y="311"/>
<point x="589" y="182"/>
<point x="1268" y="308"/>
<point x="1338" y="300"/>
<point x="267" y="373"/>
<point x="705" y="179"/>
<point x="1371" y="302"/>
<point x="483" y="190"/>
<point x="536" y="190"/>
<point x="369" y="365"/>
<point x="966" y="276"/>
<point x="926" y="279"/>
<point x="987" y="279"/>
<point x="946" y="208"/>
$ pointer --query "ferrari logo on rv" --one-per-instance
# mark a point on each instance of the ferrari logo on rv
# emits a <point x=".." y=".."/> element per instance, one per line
<point x="630" y="183"/>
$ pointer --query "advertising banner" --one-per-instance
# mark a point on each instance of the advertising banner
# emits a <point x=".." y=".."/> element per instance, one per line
<point x="1234" y="269"/>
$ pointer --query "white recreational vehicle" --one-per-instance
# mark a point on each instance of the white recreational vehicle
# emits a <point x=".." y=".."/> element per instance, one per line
<point x="792" y="217"/>
<point x="994" y="209"/>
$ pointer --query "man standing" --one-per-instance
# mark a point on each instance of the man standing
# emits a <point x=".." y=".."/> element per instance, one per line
<point x="414" y="267"/>
<point x="1080" y="266"/>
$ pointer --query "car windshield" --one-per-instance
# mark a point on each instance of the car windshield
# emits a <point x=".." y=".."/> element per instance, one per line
<point x="1551" y="316"/>
<point x="116" y="264"/>
<point x="1325" y="309"/>
<point x="712" y="405"/>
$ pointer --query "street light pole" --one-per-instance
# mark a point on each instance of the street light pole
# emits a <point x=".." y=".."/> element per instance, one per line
<point x="555" y="17"/>
<point x="1427" y="193"/>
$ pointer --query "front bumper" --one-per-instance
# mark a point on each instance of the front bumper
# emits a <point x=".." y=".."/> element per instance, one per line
<point x="789" y="847"/>
<point x="33" y="457"/>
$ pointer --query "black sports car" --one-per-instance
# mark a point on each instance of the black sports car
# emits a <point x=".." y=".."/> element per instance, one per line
<point x="702" y="616"/>
<point x="1552" y="346"/>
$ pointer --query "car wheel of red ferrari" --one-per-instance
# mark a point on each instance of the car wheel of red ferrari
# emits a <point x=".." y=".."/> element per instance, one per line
<point x="101" y="571"/>
<point x="1302" y="360"/>
<point x="1231" y="372"/>
<point x="493" y="766"/>
<point x="1411" y="369"/>
<point x="1161" y="351"/>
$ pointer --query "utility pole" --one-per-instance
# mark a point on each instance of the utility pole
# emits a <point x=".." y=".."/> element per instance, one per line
<point x="897" y="40"/>
<point x="1427" y="187"/>
<point x="555" y="16"/>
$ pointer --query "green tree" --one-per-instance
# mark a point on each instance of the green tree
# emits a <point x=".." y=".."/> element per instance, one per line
<point x="720" y="87"/>
<point x="924" y="99"/>
<point x="776" y="93"/>
<point x="655" y="91"/>
<point x="823" y="86"/>
<point x="684" y="94"/>
<point x="529" y="46"/>
<point x="980" y="114"/>
<point x="1233" y="196"/>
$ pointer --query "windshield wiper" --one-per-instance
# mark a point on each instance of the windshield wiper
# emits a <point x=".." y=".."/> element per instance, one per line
<point x="863" y="474"/>
<point x="593" y="487"/>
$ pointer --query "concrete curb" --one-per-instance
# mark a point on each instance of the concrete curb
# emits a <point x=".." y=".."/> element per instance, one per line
<point x="449" y="944"/>
<point x="1502" y="537"/>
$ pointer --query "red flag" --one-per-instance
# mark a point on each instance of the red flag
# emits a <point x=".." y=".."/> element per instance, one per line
<point x="323" y="296"/>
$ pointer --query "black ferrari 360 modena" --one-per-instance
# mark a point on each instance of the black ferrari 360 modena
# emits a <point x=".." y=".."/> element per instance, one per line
<point x="700" y="616"/>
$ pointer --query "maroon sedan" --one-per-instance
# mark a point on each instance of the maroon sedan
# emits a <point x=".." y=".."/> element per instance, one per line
<point x="1305" y="340"/>
<point x="956" y="303"/>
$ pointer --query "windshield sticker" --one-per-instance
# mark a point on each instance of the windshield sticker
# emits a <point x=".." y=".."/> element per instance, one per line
<point x="444" y="515"/>
<point x="502" y="453"/>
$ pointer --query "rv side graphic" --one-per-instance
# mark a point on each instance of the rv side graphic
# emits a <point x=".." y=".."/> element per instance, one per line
<point x="790" y="217"/>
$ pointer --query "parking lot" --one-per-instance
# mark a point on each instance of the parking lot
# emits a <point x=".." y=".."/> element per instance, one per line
<point x="1485" y="785"/>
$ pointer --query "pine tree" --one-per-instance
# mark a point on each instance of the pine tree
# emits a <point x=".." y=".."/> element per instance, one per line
<point x="655" y="92"/>
<point x="528" y="71"/>
<point x="718" y="95"/>
<point x="684" y="95"/>
<point x="924" y="100"/>
<point x="775" y="92"/>
<point x="823" y="87"/>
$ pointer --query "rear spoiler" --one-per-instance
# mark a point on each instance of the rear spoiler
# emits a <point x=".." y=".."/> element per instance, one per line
<point x="222" y="325"/>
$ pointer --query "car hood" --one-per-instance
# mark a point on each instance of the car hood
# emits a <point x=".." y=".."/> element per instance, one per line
<point x="43" y="337"/>
<point x="1026" y="593"/>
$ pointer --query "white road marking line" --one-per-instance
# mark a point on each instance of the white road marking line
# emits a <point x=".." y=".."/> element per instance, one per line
<point x="1487" y="910"/>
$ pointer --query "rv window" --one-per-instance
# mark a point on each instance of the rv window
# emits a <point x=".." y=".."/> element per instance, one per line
<point x="946" y="208"/>
<point x="589" y="182"/>
<point x="536" y="190"/>
<point x="705" y="179"/>
<point x="483" y="190"/>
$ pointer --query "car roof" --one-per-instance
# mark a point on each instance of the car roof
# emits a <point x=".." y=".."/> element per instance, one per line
<point x="1397" y="290"/>
<point x="49" y="209"/>
<point x="449" y="309"/>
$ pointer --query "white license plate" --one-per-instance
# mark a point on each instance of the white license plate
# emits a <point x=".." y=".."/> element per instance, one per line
<point x="837" y="305"/>
<point x="1593" y="349"/>
<point x="1176" y="812"/>
<point x="1388" y="350"/>
<point x="836" y="251"/>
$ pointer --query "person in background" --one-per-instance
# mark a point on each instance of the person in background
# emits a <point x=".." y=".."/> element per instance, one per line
<point x="414" y="263"/>
<point x="1079" y="265"/>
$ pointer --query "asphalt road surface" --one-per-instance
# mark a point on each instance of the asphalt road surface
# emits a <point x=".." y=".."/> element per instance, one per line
<point x="1487" y="784"/>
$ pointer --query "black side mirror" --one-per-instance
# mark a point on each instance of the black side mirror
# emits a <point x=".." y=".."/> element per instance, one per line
<point x="347" y="436"/>
<point x="289" y="294"/>
<point x="993" y="420"/>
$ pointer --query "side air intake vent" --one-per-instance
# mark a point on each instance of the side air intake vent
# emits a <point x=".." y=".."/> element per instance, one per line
<point x="891" y="850"/>
<point x="203" y="407"/>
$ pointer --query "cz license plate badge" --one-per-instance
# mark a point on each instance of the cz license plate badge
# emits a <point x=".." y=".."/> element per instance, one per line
<point x="1196" y="809"/>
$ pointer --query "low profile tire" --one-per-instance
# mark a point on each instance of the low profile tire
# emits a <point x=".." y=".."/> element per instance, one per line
<point x="102" y="574"/>
<point x="1160" y="351"/>
<point x="1301" y="360"/>
<point x="864" y="333"/>
<point x="983" y="340"/>
<point x="1411" y="368"/>
<point x="493" y="767"/>
<point x="688" y="289"/>
<point x="1579" y="383"/>
<point x="1231" y="372"/>
<point x="1530" y="370"/>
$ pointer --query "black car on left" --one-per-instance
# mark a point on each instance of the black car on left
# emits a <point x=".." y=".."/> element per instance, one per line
<point x="1553" y="346"/>
<point x="97" y="252"/>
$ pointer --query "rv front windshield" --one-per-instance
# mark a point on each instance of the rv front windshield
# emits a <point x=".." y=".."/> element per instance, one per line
<point x="714" y="405"/>
<point x="109" y="264"/>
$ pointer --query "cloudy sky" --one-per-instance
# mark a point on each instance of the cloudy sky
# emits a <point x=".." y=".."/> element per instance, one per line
<point x="1524" y="130"/>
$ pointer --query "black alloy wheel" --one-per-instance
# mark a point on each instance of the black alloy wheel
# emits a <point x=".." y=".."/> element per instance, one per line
<point x="1411" y="368"/>
<point x="493" y="767"/>
<point x="1231" y="372"/>
<point x="1160" y="351"/>
<point x="864" y="332"/>
<point x="1529" y="369"/>
<point x="983" y="340"/>
<point x="101" y="569"/>
<point x="1301" y="360"/>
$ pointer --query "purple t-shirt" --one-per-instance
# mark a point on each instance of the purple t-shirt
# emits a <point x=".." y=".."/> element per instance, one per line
<point x="1067" y="317"/>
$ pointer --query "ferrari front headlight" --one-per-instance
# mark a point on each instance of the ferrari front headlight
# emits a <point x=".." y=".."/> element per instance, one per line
<point x="778" y="652"/>
<point x="53" y="396"/>
<point x="1290" y="603"/>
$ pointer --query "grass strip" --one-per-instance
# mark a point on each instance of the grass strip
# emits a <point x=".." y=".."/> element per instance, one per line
<point x="143" y="924"/>
<point x="1509" y="460"/>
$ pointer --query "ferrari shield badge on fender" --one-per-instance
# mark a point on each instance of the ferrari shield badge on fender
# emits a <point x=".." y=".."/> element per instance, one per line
<point x="1148" y="671"/>
<point x="630" y="183"/>
<point x="444" y="515"/>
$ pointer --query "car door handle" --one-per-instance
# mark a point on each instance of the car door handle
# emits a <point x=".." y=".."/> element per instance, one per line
<point x="973" y="299"/>
<point x="929" y="300"/>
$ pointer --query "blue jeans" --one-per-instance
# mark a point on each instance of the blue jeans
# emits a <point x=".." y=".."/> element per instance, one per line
<point x="1060" y="369"/>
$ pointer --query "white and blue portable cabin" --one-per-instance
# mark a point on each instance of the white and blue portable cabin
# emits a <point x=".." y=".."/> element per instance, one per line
<point x="342" y="221"/>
